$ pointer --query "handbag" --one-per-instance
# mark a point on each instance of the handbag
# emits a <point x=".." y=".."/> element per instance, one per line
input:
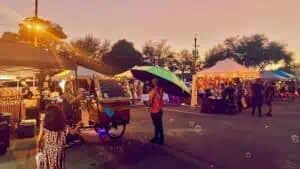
<point x="39" y="157"/>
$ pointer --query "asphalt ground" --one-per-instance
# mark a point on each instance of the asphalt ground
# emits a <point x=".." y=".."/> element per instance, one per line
<point x="193" y="141"/>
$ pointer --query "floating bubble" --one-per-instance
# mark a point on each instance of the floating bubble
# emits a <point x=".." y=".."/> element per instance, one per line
<point x="171" y="120"/>
<point x="191" y="123"/>
<point x="198" y="128"/>
<point x="211" y="166"/>
<point x="248" y="155"/>
<point x="295" y="138"/>
<point x="266" y="125"/>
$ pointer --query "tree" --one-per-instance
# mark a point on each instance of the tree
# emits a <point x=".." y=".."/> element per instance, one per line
<point x="156" y="52"/>
<point x="49" y="34"/>
<point x="9" y="36"/>
<point x="252" y="51"/>
<point x="186" y="60"/>
<point x="32" y="26"/>
<point x="93" y="46"/>
<point x="123" y="56"/>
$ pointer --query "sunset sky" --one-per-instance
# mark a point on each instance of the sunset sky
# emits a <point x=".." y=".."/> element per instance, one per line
<point x="174" y="20"/>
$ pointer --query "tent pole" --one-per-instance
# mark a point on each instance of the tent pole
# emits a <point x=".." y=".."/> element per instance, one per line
<point x="76" y="77"/>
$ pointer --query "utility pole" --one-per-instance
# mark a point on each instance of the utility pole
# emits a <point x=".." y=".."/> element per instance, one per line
<point x="36" y="8"/>
<point x="36" y="16"/>
<point x="195" y="54"/>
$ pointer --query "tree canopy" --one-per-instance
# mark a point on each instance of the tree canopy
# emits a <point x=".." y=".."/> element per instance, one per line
<point x="47" y="28"/>
<point x="252" y="51"/>
<point x="49" y="33"/>
<point x="156" y="53"/>
<point x="123" y="55"/>
<point x="93" y="46"/>
<point x="9" y="36"/>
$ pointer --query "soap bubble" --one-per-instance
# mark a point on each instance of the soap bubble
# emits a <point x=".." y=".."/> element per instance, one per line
<point x="248" y="155"/>
<point x="211" y="166"/>
<point x="266" y="125"/>
<point x="295" y="138"/>
<point x="191" y="123"/>
<point x="198" y="128"/>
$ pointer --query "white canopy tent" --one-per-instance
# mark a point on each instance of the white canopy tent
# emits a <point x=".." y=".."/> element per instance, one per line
<point x="127" y="74"/>
<point x="81" y="71"/>
<point x="227" y="68"/>
<point x="230" y="68"/>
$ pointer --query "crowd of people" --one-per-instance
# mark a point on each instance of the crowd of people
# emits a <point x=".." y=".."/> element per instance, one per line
<point x="251" y="93"/>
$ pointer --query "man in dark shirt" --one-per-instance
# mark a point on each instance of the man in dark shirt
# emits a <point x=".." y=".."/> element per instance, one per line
<point x="270" y="92"/>
<point x="257" y="96"/>
<point x="229" y="92"/>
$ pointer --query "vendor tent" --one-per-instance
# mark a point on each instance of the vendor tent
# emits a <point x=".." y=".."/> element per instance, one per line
<point x="284" y="74"/>
<point x="81" y="71"/>
<point x="126" y="74"/>
<point x="230" y="68"/>
<point x="24" y="55"/>
<point x="269" y="75"/>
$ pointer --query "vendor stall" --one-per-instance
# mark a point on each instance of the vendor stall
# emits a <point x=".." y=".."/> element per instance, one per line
<point x="270" y="75"/>
<point x="25" y="65"/>
<point x="223" y="72"/>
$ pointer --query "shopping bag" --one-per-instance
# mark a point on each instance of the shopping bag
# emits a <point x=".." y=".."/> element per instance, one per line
<point x="39" y="160"/>
<point x="244" y="103"/>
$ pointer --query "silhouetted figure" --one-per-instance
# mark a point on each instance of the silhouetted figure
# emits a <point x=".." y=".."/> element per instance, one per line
<point x="240" y="94"/>
<point x="269" y="93"/>
<point x="257" y="97"/>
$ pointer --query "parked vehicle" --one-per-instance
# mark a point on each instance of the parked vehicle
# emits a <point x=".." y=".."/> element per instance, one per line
<point x="108" y="103"/>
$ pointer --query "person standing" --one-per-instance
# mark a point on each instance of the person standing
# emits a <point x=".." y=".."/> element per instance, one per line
<point x="257" y="97"/>
<point x="270" y="92"/>
<point x="139" y="90"/>
<point x="72" y="113"/>
<point x="240" y="94"/>
<point x="53" y="139"/>
<point x="146" y="90"/>
<point x="69" y="101"/>
<point x="156" y="105"/>
<point x="292" y="89"/>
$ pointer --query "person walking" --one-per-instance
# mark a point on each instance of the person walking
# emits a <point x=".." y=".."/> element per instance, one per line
<point x="257" y="96"/>
<point x="270" y="92"/>
<point x="146" y="90"/>
<point x="71" y="111"/>
<point x="156" y="105"/>
<point x="240" y="95"/>
<point x="53" y="139"/>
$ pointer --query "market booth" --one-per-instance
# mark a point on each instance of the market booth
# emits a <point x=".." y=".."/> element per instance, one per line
<point x="223" y="72"/>
<point x="23" y="66"/>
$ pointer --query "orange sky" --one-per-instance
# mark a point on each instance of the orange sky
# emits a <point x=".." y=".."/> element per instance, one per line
<point x="174" y="20"/>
